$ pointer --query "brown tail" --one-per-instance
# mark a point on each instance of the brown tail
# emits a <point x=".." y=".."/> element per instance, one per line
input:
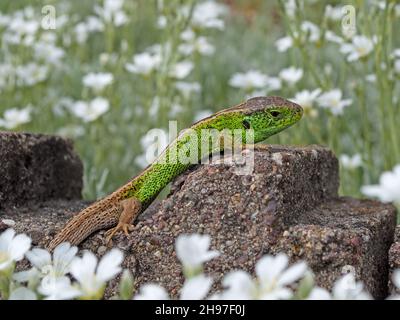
<point x="99" y="215"/>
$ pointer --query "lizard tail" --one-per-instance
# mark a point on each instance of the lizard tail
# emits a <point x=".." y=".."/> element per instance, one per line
<point x="99" y="215"/>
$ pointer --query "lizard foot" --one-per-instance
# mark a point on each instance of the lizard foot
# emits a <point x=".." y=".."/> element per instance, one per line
<point x="125" y="227"/>
<point x="130" y="209"/>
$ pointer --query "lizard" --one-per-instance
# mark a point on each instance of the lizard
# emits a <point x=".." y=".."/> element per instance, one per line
<point x="264" y="116"/>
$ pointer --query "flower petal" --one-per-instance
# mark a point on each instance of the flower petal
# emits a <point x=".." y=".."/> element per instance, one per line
<point x="292" y="274"/>
<point x="5" y="239"/>
<point x="319" y="294"/>
<point x="83" y="267"/>
<point x="110" y="265"/>
<point x="39" y="257"/>
<point x="152" y="291"/>
<point x="19" y="246"/>
<point x="22" y="293"/>
<point x="196" y="288"/>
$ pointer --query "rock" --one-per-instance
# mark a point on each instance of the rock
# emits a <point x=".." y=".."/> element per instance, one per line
<point x="37" y="168"/>
<point x="289" y="204"/>
<point x="394" y="260"/>
<point x="343" y="233"/>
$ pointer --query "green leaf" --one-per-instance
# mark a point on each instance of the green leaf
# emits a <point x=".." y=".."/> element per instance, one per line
<point x="126" y="285"/>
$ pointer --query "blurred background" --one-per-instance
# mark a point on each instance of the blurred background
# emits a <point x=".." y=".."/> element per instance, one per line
<point x="104" y="73"/>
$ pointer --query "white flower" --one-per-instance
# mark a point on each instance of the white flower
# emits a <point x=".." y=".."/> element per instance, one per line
<point x="31" y="73"/>
<point x="273" y="278"/>
<point x="57" y="266"/>
<point x="22" y="293"/>
<point x="290" y="7"/>
<point x="7" y="71"/>
<point x="90" y="111"/>
<point x="152" y="291"/>
<point x="397" y="66"/>
<point x="4" y="20"/>
<point x="91" y="24"/>
<point x="153" y="142"/>
<point x="274" y="275"/>
<point x="333" y="13"/>
<point x="345" y="288"/>
<point x="162" y="22"/>
<point x="332" y="100"/>
<point x="81" y="32"/>
<point x="181" y="69"/>
<point x="388" y="189"/>
<point x="12" y="248"/>
<point x="21" y="30"/>
<point x="249" y="80"/>
<point x="57" y="288"/>
<point x="193" y="250"/>
<point x="94" y="24"/>
<point x="291" y="75"/>
<point x="371" y="78"/>
<point x="239" y="286"/>
<point x="92" y="277"/>
<point x="188" y="35"/>
<point x="283" y="44"/>
<point x="175" y="109"/>
<point x="187" y="88"/>
<point x="15" y="117"/>
<point x="200" y="45"/>
<point x="273" y="83"/>
<point x="98" y="81"/>
<point x="144" y="63"/>
<point x="351" y="162"/>
<point x="207" y="14"/>
<point x="318" y="293"/>
<point x="48" y="52"/>
<point x="333" y="37"/>
<point x="396" y="282"/>
<point x="30" y="275"/>
<point x="202" y="114"/>
<point x="306" y="99"/>
<point x="112" y="12"/>
<point x="196" y="288"/>
<point x="311" y="30"/>
<point x="360" y="47"/>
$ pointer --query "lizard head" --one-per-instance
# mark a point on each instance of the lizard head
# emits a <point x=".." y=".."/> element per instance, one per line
<point x="261" y="116"/>
<point x="268" y="115"/>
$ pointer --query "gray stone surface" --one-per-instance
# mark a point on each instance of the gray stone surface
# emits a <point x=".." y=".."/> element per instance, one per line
<point x="36" y="168"/>
<point x="394" y="260"/>
<point x="288" y="204"/>
<point x="343" y="235"/>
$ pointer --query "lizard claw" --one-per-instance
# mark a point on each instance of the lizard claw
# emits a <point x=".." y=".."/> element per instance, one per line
<point x="125" y="227"/>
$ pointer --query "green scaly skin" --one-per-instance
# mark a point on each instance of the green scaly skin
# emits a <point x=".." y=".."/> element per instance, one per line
<point x="265" y="115"/>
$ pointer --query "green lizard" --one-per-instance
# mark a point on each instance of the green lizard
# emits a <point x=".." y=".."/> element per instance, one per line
<point x="263" y="116"/>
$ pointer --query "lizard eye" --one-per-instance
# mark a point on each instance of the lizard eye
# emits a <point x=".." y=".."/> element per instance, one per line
<point x="246" y="124"/>
<point x="275" y="113"/>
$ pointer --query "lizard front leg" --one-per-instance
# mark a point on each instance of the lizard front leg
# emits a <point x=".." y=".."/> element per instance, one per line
<point x="130" y="209"/>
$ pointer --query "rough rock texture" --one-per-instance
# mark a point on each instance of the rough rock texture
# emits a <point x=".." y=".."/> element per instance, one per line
<point x="288" y="204"/>
<point x="37" y="168"/>
<point x="394" y="260"/>
<point x="343" y="235"/>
